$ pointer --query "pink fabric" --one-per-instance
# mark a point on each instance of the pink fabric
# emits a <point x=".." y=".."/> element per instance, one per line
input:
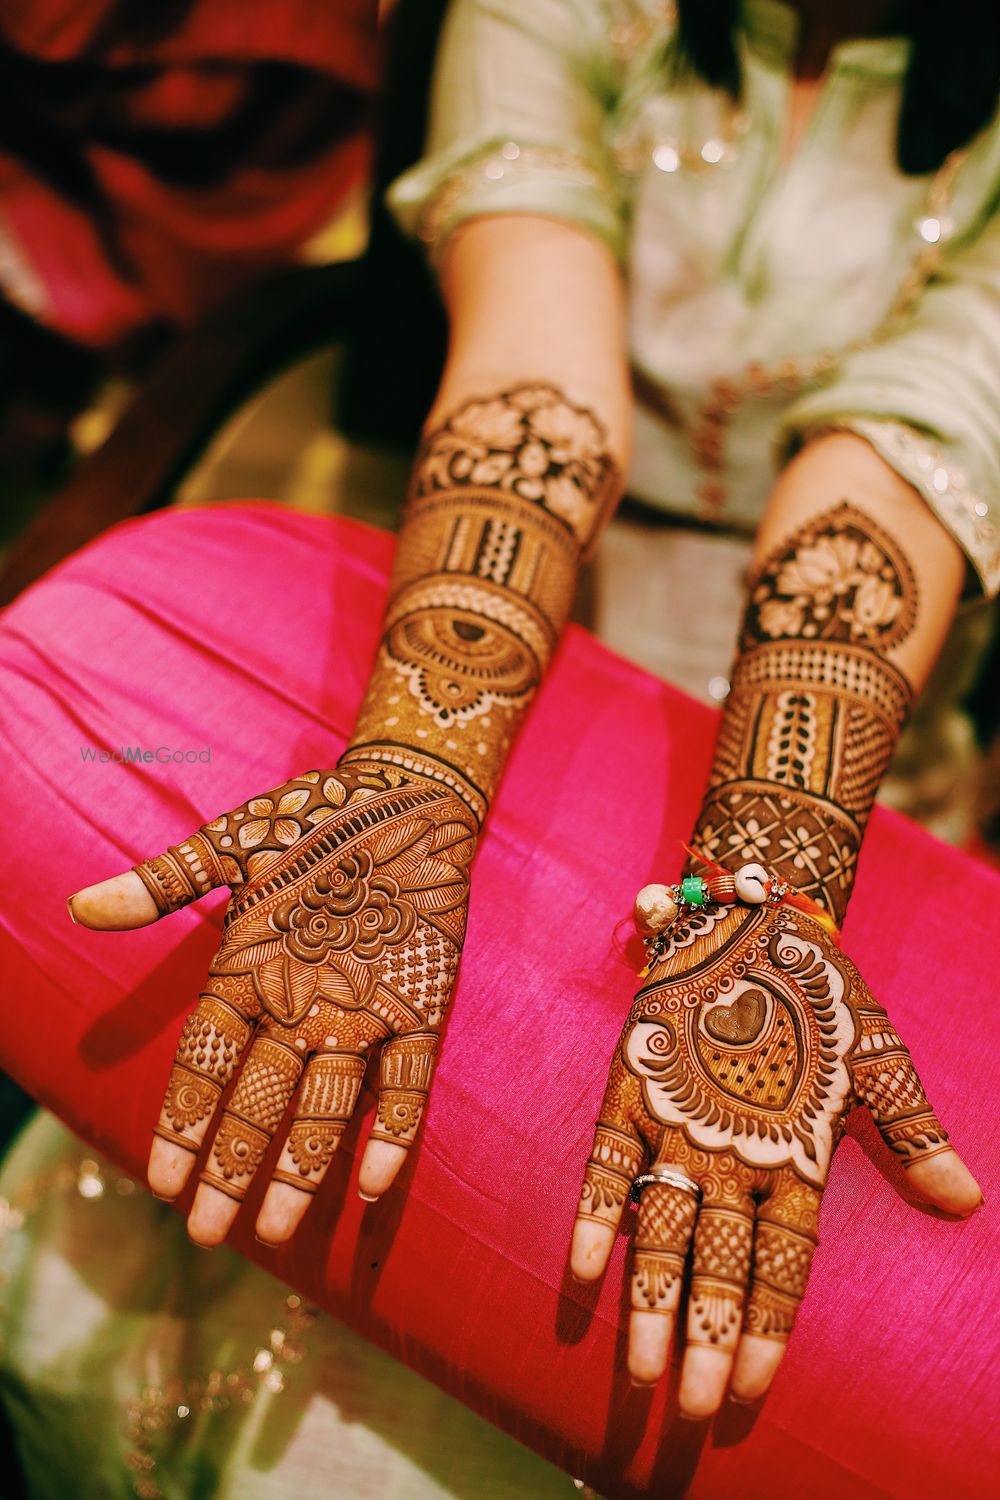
<point x="249" y="631"/>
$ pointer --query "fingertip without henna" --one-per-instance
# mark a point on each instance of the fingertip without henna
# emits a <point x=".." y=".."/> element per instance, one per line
<point x="69" y="908"/>
<point x="204" y="1244"/>
<point x="946" y="1181"/>
<point x="115" y="905"/>
<point x="590" y="1250"/>
<point x="368" y="1197"/>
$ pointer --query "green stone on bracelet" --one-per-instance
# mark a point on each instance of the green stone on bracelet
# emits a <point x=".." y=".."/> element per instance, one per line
<point x="693" y="890"/>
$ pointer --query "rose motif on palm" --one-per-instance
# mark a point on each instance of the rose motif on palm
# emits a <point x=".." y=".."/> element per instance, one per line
<point x="347" y="908"/>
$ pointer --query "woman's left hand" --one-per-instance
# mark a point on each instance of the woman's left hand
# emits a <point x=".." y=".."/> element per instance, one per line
<point x="743" y="1052"/>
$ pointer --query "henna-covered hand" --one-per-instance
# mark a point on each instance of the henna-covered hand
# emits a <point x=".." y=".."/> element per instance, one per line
<point x="344" y="930"/>
<point x="743" y="1052"/>
<point x="350" y="887"/>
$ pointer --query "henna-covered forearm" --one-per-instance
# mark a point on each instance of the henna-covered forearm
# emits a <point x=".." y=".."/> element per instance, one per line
<point x="816" y="705"/>
<point x="508" y="497"/>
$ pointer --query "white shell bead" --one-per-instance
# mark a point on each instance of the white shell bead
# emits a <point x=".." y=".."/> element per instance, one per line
<point x="751" y="884"/>
<point x="654" y="908"/>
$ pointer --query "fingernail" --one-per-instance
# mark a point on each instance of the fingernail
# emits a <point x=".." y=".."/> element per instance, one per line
<point x="69" y="908"/>
<point x="743" y="1400"/>
<point x="979" y="1205"/>
<point x="641" y="1385"/>
<point x="690" y="1416"/>
<point x="268" y="1244"/>
<point x="163" y="1197"/>
<point x="368" y="1197"/>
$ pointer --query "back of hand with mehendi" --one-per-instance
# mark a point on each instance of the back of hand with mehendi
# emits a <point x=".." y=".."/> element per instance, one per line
<point x="741" y="1056"/>
<point x="753" y="1035"/>
<point x="350" y="885"/>
<point x="353" y="941"/>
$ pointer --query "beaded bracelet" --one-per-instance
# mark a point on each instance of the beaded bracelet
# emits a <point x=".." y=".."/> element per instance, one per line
<point x="657" y="906"/>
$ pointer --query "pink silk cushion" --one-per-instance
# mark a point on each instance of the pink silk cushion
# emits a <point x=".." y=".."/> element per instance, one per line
<point x="248" y="631"/>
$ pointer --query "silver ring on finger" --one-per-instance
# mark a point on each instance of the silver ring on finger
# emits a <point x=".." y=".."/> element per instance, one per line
<point x="668" y="1176"/>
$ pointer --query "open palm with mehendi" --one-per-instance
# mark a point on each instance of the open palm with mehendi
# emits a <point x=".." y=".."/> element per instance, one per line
<point x="343" y="933"/>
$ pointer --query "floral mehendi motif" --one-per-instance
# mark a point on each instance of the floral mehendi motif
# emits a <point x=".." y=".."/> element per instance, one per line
<point x="530" y="441"/>
<point x="344" y="939"/>
<point x="840" y="578"/>
<point x="508" y="497"/>
<point x="348" y="907"/>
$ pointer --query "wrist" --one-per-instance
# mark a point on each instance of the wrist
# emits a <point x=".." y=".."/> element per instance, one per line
<point x="378" y="755"/>
<point x="803" y="839"/>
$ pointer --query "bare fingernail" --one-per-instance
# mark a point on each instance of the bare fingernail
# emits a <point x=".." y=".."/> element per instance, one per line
<point x="163" y="1197"/>
<point x="743" y="1400"/>
<point x="641" y="1385"/>
<point x="69" y="908"/>
<point x="268" y="1244"/>
<point x="979" y="1205"/>
<point x="368" y="1197"/>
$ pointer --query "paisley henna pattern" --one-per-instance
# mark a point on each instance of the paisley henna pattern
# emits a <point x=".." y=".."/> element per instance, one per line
<point x="751" y="1040"/>
<point x="344" y="930"/>
<point x="816" y="707"/>
<point x="508" y="497"/>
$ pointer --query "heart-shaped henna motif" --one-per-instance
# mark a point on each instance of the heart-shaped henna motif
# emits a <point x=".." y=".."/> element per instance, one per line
<point x="739" y="1022"/>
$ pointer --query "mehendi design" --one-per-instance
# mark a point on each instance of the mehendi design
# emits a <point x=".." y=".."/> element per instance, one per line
<point x="663" y="1233"/>
<point x="350" y="884"/>
<point x="816" y="706"/>
<point x="344" y="931"/>
<point x="615" y="1160"/>
<point x="508" y="497"/>
<point x="753" y="1059"/>
<point x="530" y="442"/>
<point x="743" y="1053"/>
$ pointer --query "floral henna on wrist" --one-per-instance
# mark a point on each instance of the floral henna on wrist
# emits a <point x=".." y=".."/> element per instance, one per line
<point x="507" y="499"/>
<point x="815" y="708"/>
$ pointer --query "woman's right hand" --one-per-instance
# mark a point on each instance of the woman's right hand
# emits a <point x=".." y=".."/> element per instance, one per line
<point x="344" y="930"/>
<point x="743" y="1052"/>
